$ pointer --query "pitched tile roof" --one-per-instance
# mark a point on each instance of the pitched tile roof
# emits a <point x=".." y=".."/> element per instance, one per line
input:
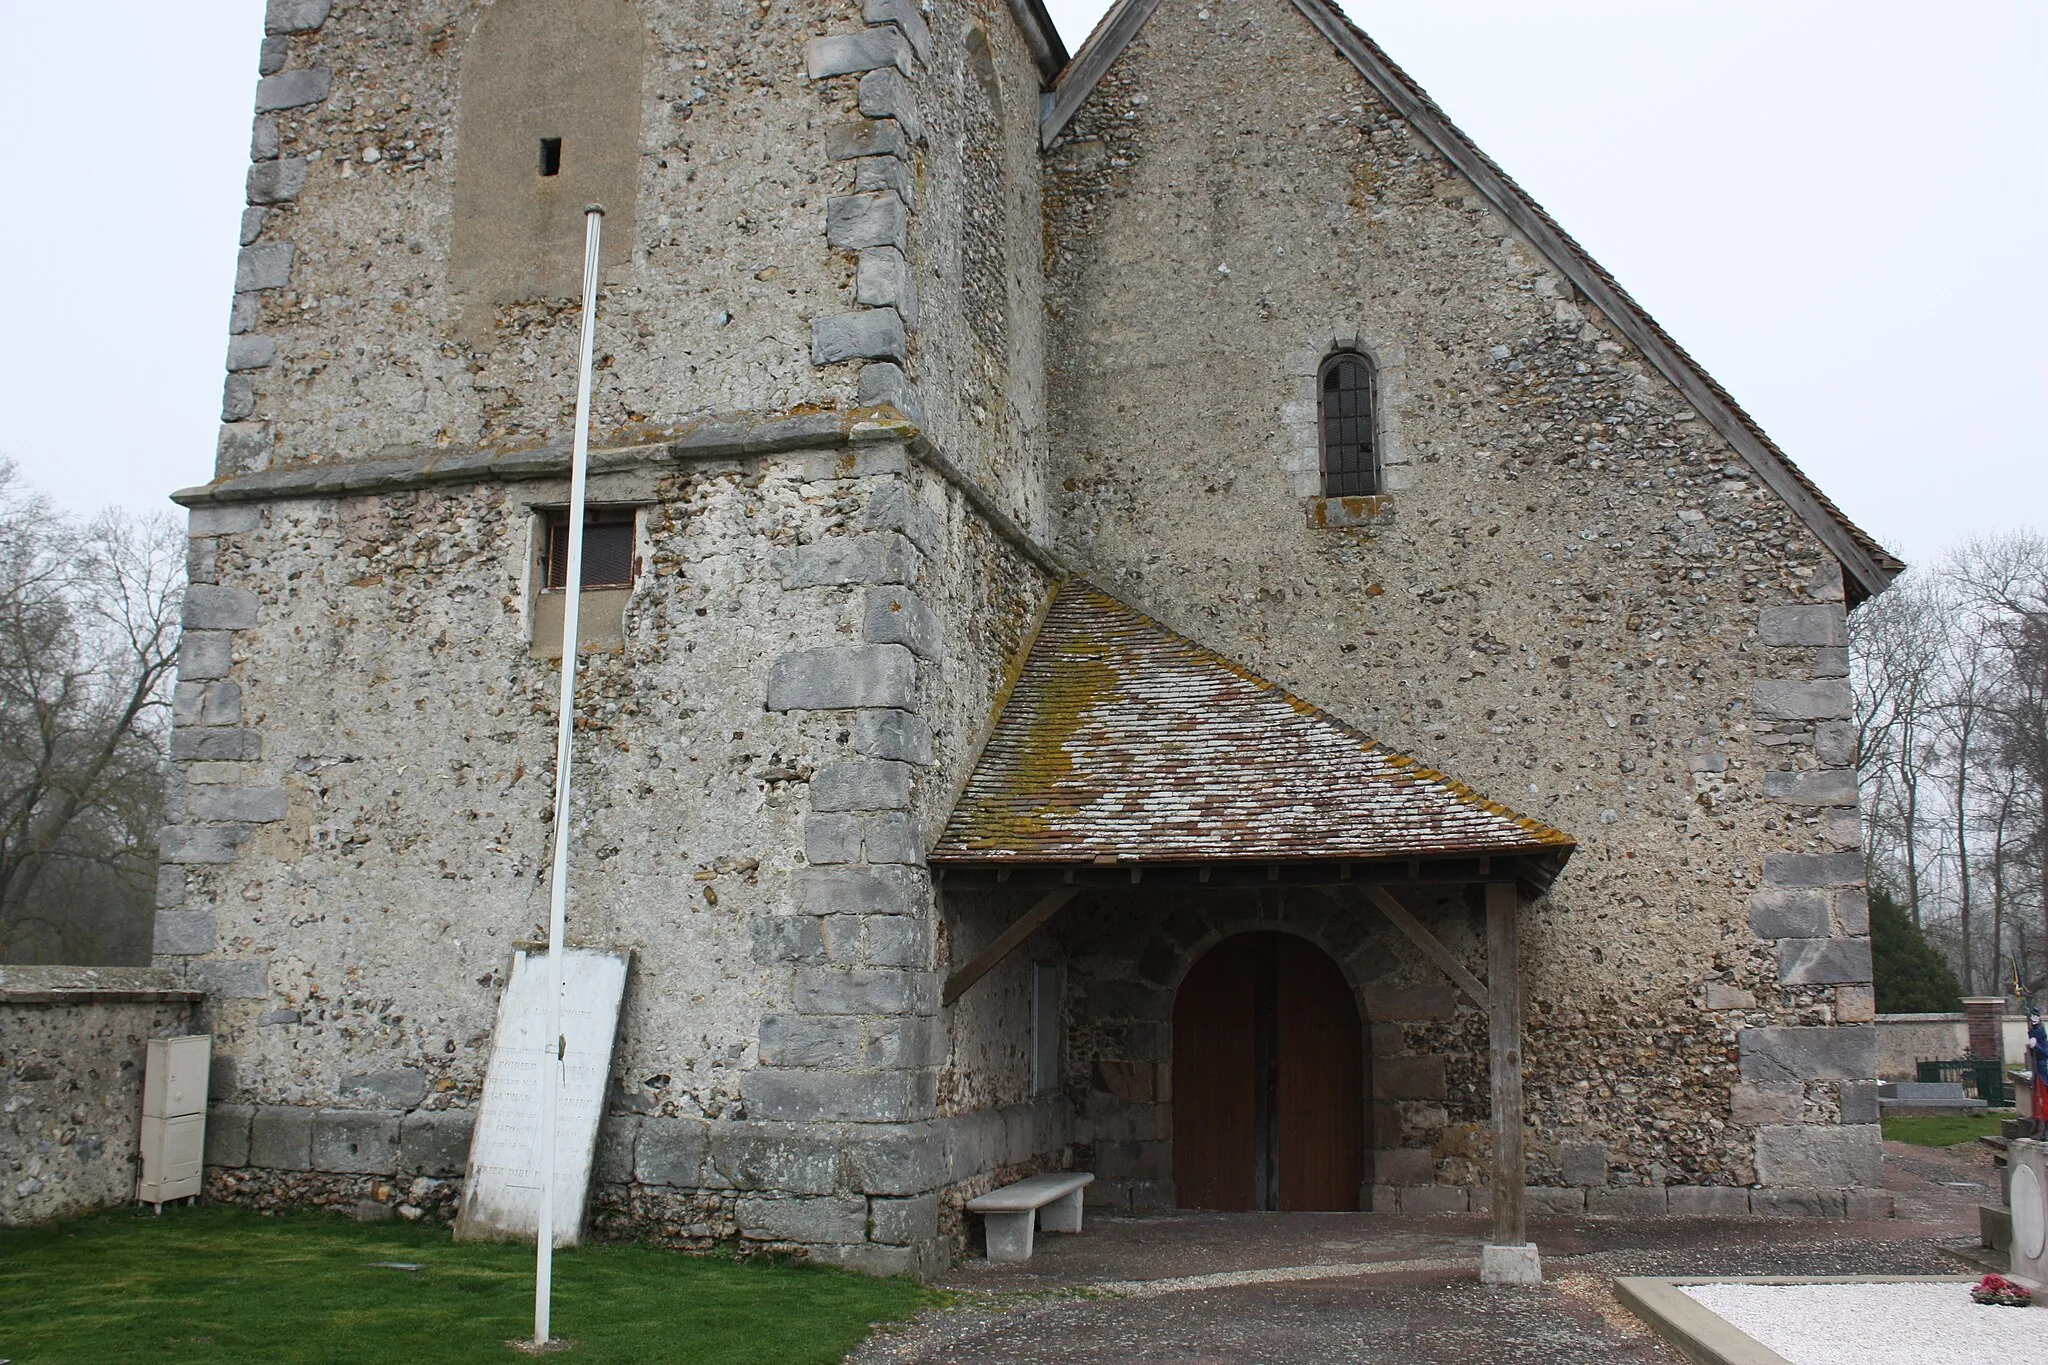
<point x="1121" y="739"/>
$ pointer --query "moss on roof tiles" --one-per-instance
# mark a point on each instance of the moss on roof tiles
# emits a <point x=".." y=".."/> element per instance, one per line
<point x="1118" y="737"/>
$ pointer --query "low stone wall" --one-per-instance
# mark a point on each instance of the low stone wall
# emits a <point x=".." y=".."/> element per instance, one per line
<point x="73" y="1043"/>
<point x="1905" y="1039"/>
<point x="860" y="1195"/>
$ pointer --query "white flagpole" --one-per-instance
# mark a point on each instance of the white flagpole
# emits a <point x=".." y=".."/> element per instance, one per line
<point x="565" y="729"/>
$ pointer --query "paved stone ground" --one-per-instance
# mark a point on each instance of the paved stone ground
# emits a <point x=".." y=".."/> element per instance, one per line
<point x="1271" y="1289"/>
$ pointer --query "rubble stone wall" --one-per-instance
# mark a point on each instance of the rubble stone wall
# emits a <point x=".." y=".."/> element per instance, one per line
<point x="1572" y="594"/>
<point x="73" y="1045"/>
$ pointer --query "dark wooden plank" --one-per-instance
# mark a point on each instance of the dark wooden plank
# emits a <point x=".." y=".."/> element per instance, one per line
<point x="1006" y="943"/>
<point x="1321" y="1091"/>
<point x="1214" y="1043"/>
<point x="1504" y="1029"/>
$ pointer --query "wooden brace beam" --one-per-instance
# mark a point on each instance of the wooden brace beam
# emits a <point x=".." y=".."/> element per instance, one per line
<point x="1006" y="943"/>
<point x="1428" y="943"/>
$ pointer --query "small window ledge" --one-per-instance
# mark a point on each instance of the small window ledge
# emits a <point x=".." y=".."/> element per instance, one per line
<point x="1336" y="514"/>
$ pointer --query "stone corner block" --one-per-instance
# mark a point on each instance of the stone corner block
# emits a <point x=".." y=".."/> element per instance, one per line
<point x="295" y="16"/>
<point x="281" y="1138"/>
<point x="1823" y="961"/>
<point x="1820" y="1156"/>
<point x="840" y="677"/>
<point x="896" y="616"/>
<point x="227" y="1135"/>
<point x="293" y="89"/>
<point x="870" y="334"/>
<point x="435" y="1142"/>
<point x="1799" y="1052"/>
<point x="845" y="54"/>
<point x="355" y="1141"/>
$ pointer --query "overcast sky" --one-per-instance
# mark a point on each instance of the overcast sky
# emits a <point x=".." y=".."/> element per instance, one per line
<point x="1837" y="207"/>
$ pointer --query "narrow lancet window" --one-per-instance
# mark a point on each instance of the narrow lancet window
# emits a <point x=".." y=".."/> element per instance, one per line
<point x="1350" y="453"/>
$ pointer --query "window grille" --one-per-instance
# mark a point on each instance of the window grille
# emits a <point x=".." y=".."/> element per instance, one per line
<point x="1350" y="457"/>
<point x="608" y="559"/>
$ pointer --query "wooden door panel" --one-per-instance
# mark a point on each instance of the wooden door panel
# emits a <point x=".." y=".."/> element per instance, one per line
<point x="1213" y="1076"/>
<point x="1320" y="1095"/>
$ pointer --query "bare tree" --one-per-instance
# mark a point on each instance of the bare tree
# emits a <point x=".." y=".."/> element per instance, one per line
<point x="1896" y="657"/>
<point x="88" y="627"/>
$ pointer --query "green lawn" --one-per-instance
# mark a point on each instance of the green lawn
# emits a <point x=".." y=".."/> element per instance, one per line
<point x="1942" y="1130"/>
<point x="225" y="1285"/>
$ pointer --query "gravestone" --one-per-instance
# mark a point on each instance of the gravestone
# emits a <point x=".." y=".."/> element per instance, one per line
<point x="501" y="1192"/>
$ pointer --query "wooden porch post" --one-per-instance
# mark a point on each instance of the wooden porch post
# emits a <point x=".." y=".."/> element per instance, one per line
<point x="1510" y="1257"/>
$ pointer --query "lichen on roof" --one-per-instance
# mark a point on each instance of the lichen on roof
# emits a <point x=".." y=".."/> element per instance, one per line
<point x="1123" y="739"/>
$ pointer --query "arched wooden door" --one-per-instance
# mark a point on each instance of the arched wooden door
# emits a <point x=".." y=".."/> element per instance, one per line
<point x="1268" y="1079"/>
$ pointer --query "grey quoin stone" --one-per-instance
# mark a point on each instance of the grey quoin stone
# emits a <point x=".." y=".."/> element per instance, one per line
<point x="281" y="1138"/>
<point x="788" y="938"/>
<point x="216" y="746"/>
<point x="870" y="334"/>
<point x="252" y="225"/>
<point x="256" y="805"/>
<point x="1837" y="788"/>
<point x="1707" y="1201"/>
<point x="886" y="94"/>
<point x="829" y="1218"/>
<point x="237" y="398"/>
<point x="905" y="1222"/>
<point x="873" y="173"/>
<point x="1779" y="699"/>
<point x="1790" y="912"/>
<point x="293" y="89"/>
<point x="885" y="382"/>
<point x="264" y="143"/>
<point x="861" y="137"/>
<point x="831" y="990"/>
<point x="251" y="352"/>
<point x="1813" y="869"/>
<point x="270" y="58"/>
<point x="224" y="521"/>
<point x="892" y="734"/>
<point x="1859" y="1102"/>
<point x="1823" y="961"/>
<point x="903" y="14"/>
<point x="355" y="1141"/>
<point x="897" y="616"/>
<point x="804" y="1041"/>
<point x="883" y="278"/>
<point x="899" y="941"/>
<point x="1852" y="912"/>
<point x="672" y="1151"/>
<point x="276" y="182"/>
<point x="1820" y="1156"/>
<point x="861" y="784"/>
<point x="1834" y="743"/>
<point x="883" y="557"/>
<point x="843" y="676"/>
<point x="201" y="843"/>
<point x="268" y="266"/>
<point x="859" y="891"/>
<point x="295" y="16"/>
<point x="853" y="221"/>
<point x="185" y="932"/>
<point x="773" y="1156"/>
<point x="831" y="838"/>
<point x="1821" y="625"/>
<point x="210" y="607"/>
<point x="1804" y="1053"/>
<point x="893" y="837"/>
<point x="843" y="1096"/>
<point x="842" y="54"/>
<point x="227" y="1135"/>
<point x="435" y="1142"/>
<point x="245" y="314"/>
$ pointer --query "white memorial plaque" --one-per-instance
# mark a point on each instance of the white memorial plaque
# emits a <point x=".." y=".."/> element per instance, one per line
<point x="501" y="1195"/>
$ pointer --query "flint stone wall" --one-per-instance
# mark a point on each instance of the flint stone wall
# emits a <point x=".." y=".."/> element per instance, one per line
<point x="1572" y="593"/>
<point x="73" y="1044"/>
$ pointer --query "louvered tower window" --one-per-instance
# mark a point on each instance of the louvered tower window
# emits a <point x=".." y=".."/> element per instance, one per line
<point x="1351" y="464"/>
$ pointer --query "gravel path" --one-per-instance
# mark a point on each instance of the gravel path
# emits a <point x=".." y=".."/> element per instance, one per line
<point x="1880" y="1324"/>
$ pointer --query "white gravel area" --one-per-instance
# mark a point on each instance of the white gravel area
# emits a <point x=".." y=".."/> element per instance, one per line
<point x="1879" y="1324"/>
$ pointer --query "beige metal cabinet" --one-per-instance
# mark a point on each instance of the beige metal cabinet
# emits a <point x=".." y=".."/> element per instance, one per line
<point x="174" y="1118"/>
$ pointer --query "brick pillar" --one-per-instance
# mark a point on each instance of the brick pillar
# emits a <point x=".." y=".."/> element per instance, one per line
<point x="1986" y="1017"/>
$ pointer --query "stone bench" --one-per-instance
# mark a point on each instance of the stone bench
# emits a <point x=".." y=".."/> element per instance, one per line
<point x="1052" y="1202"/>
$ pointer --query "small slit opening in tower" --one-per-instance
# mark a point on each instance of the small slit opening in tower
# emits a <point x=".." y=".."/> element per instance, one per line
<point x="551" y="156"/>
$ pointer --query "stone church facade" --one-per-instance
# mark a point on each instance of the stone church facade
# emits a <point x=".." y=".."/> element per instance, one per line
<point x="930" y="362"/>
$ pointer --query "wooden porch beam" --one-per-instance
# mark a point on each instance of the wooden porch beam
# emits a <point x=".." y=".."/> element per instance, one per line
<point x="1428" y="943"/>
<point x="1509" y="1258"/>
<point x="1006" y="943"/>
